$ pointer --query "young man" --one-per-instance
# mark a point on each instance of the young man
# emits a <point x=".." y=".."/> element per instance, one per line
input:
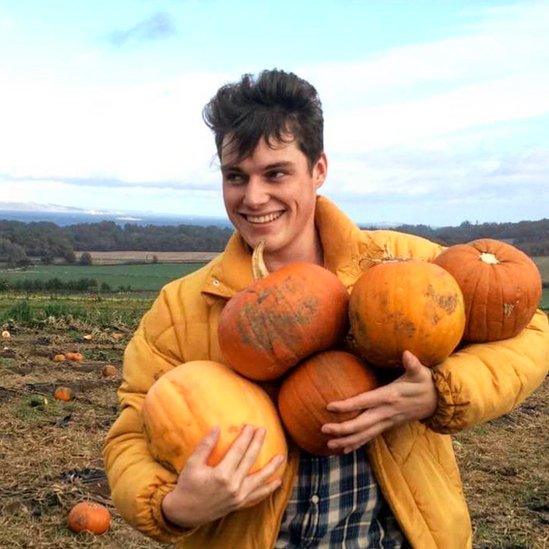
<point x="397" y="482"/>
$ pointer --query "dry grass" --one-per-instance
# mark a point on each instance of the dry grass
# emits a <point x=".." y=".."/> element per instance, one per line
<point x="504" y="466"/>
<point x="50" y="453"/>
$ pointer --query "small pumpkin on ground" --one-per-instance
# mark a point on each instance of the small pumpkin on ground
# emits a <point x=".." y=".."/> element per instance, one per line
<point x="187" y="402"/>
<point x="501" y="287"/>
<point x="281" y="318"/>
<point x="88" y="516"/>
<point x="109" y="371"/>
<point x="399" y="305"/>
<point x="74" y="357"/>
<point x="304" y="394"/>
<point x="63" y="393"/>
<point x="59" y="358"/>
<point x="6" y="334"/>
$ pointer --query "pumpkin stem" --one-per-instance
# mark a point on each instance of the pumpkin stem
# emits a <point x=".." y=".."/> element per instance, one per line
<point x="489" y="258"/>
<point x="259" y="268"/>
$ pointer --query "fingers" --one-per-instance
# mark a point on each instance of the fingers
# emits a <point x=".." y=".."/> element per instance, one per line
<point x="260" y="493"/>
<point x="204" y="448"/>
<point x="252" y="451"/>
<point x="354" y="441"/>
<point x="260" y="477"/>
<point x="383" y="395"/>
<point x="359" y="423"/>
<point x="411" y="363"/>
<point x="234" y="454"/>
<point x="258" y="484"/>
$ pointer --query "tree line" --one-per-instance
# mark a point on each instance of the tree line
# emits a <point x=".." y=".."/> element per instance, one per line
<point x="21" y="243"/>
<point x="532" y="237"/>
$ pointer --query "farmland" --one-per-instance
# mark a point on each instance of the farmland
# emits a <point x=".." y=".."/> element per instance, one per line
<point x="50" y="452"/>
<point x="135" y="271"/>
<point x="135" y="277"/>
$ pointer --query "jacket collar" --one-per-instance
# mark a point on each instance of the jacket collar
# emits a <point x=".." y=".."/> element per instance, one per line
<point x="343" y="243"/>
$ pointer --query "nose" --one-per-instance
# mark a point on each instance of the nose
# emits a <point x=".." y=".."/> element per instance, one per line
<point x="256" y="194"/>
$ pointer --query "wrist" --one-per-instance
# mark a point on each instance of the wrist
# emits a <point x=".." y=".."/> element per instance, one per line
<point x="173" y="511"/>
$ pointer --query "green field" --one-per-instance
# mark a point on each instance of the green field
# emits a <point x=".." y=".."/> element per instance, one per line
<point x="146" y="277"/>
<point x="151" y="277"/>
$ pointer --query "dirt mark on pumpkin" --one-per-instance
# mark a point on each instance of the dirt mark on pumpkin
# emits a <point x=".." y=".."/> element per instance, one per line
<point x="447" y="302"/>
<point x="272" y="322"/>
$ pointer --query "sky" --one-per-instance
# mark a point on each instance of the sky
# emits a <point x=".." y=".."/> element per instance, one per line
<point x="436" y="112"/>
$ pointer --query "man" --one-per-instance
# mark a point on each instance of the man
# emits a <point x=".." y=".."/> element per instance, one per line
<point x="397" y="481"/>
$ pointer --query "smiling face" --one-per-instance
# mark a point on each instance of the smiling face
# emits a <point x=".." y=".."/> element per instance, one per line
<point x="271" y="196"/>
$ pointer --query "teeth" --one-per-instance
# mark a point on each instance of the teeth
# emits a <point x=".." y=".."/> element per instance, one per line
<point x="263" y="218"/>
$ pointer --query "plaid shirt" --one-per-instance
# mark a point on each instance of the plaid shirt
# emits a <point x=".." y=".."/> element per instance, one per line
<point x="336" y="502"/>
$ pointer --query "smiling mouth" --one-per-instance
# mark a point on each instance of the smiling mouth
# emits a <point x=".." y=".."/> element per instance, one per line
<point x="261" y="219"/>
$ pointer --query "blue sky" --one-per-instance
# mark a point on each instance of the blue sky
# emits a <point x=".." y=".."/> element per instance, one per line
<point x="435" y="111"/>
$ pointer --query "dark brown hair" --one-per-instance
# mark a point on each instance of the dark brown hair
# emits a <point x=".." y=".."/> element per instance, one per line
<point x="269" y="106"/>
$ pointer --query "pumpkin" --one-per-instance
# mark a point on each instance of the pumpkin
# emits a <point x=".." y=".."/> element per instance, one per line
<point x="501" y="287"/>
<point x="406" y="305"/>
<point x="88" y="516"/>
<point x="6" y="334"/>
<point x="109" y="371"/>
<point x="187" y="402"/>
<point x="63" y="393"/>
<point x="281" y="318"/>
<point x="320" y="379"/>
<point x="74" y="357"/>
<point x="59" y="358"/>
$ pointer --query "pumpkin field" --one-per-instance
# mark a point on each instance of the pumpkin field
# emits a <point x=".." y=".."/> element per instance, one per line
<point x="50" y="450"/>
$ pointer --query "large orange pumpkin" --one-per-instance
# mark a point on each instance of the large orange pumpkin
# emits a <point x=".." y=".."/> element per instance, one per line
<point x="406" y="305"/>
<point x="88" y="516"/>
<point x="501" y="287"/>
<point x="278" y="320"/>
<point x="318" y="380"/>
<point x="187" y="402"/>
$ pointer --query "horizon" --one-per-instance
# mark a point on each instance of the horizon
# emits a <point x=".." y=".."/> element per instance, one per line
<point x="435" y="113"/>
<point x="79" y="216"/>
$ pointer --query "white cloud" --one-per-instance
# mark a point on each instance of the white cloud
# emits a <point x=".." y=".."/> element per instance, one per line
<point x="407" y="121"/>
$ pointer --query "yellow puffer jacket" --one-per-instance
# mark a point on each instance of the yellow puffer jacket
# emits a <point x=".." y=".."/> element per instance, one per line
<point x="414" y="463"/>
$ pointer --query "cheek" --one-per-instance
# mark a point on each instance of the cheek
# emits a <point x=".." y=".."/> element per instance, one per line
<point x="230" y="198"/>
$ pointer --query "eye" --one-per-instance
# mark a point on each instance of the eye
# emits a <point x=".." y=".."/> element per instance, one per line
<point x="235" y="178"/>
<point x="276" y="174"/>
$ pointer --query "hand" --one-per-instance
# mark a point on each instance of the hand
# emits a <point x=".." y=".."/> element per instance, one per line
<point x="204" y="493"/>
<point x="410" y="397"/>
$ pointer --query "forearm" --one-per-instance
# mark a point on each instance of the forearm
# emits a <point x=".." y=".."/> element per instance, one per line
<point x="484" y="381"/>
<point x="138" y="483"/>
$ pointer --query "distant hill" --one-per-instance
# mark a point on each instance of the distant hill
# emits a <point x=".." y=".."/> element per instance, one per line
<point x="72" y="216"/>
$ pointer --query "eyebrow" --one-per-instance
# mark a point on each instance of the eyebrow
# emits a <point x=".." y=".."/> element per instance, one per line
<point x="277" y="165"/>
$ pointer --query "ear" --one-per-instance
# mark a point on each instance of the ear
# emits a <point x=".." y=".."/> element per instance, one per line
<point x="320" y="170"/>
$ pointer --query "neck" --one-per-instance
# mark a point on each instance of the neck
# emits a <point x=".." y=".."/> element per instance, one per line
<point x="307" y="248"/>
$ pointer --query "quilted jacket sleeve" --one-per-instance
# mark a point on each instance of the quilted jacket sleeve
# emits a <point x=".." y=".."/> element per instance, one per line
<point x="482" y="381"/>
<point x="138" y="483"/>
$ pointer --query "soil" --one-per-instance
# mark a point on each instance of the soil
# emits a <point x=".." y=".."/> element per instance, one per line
<point x="50" y="451"/>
